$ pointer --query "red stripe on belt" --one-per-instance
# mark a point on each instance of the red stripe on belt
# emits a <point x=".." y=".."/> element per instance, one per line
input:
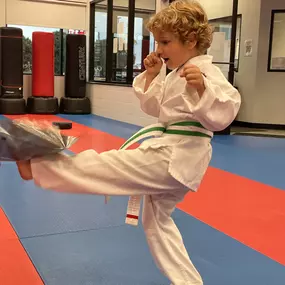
<point x="132" y="217"/>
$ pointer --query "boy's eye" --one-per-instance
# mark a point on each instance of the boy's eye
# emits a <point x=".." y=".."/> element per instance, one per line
<point x="165" y="42"/>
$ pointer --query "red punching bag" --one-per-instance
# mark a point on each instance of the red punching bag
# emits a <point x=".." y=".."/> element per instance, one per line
<point x="43" y="64"/>
<point x="43" y="100"/>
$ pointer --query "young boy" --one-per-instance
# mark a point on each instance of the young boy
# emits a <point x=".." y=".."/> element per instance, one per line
<point x="191" y="102"/>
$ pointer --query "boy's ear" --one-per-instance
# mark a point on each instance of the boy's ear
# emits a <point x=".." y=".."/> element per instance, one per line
<point x="192" y="41"/>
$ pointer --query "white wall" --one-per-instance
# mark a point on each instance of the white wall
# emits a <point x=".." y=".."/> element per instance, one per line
<point x="140" y="4"/>
<point x="245" y="78"/>
<point x="118" y="103"/>
<point x="44" y="14"/>
<point x="270" y="91"/>
<point x="218" y="8"/>
<point x="262" y="92"/>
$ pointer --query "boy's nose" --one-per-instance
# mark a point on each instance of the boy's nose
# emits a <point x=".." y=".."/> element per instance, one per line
<point x="159" y="50"/>
<point x="158" y="54"/>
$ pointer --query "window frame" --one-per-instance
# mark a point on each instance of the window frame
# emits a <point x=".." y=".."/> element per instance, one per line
<point x="109" y="44"/>
<point x="273" y="13"/>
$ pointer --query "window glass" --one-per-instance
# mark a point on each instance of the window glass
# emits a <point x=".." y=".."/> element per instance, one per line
<point x="143" y="40"/>
<point x="277" y="43"/>
<point x="117" y="61"/>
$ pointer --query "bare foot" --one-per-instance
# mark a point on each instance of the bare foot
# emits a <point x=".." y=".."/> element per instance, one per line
<point x="25" y="170"/>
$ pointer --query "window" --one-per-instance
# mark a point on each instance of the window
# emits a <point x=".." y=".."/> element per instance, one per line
<point x="221" y="46"/>
<point x="59" y="46"/>
<point x="118" y="39"/>
<point x="276" y="61"/>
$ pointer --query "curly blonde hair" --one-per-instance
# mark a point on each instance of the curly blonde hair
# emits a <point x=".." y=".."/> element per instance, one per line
<point x="182" y="18"/>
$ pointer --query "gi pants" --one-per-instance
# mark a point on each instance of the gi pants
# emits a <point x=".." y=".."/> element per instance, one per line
<point x="129" y="172"/>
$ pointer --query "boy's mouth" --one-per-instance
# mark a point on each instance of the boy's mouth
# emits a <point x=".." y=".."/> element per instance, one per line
<point x="166" y="59"/>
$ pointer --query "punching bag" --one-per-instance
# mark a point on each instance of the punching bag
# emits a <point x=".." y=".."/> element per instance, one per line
<point x="42" y="100"/>
<point x="11" y="71"/>
<point x="43" y="64"/>
<point x="75" y="71"/>
<point x="75" y="100"/>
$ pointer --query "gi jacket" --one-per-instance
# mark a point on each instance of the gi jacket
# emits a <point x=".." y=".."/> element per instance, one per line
<point x="170" y="99"/>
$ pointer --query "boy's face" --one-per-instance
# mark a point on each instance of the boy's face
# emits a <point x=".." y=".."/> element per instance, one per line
<point x="172" y="50"/>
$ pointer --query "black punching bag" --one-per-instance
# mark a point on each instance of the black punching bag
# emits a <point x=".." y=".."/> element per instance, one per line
<point x="75" y="100"/>
<point x="11" y="71"/>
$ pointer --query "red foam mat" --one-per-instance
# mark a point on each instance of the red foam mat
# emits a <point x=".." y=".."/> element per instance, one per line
<point x="248" y="211"/>
<point x="15" y="265"/>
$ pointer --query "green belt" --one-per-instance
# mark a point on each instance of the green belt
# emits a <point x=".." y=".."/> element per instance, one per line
<point x="186" y="128"/>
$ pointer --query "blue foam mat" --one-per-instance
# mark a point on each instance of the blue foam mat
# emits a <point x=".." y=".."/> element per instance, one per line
<point x="261" y="163"/>
<point x="34" y="211"/>
<point x="120" y="256"/>
<point x="117" y="255"/>
<point x="223" y="260"/>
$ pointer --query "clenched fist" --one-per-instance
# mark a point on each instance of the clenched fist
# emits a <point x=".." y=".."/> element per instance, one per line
<point x="153" y="63"/>
<point x="194" y="78"/>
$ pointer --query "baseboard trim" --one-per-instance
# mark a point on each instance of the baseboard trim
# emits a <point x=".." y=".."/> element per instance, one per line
<point x="258" y="125"/>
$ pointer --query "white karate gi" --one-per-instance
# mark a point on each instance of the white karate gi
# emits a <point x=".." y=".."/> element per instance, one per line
<point x="162" y="169"/>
